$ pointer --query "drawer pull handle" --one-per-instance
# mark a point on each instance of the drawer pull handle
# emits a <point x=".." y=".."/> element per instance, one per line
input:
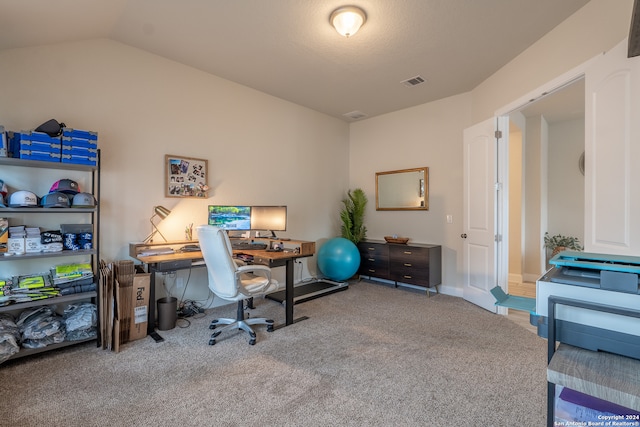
<point x="407" y="277"/>
<point x="406" y="264"/>
<point x="407" y="252"/>
<point x="371" y="249"/>
<point x="372" y="259"/>
<point x="371" y="271"/>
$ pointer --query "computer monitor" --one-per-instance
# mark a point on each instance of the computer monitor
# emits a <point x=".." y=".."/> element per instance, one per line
<point x="230" y="218"/>
<point x="269" y="218"/>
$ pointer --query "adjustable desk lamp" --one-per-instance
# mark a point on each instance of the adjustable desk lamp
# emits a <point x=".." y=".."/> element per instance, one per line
<point x="162" y="212"/>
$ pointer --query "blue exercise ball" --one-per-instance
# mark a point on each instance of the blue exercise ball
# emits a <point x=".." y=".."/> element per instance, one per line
<point x="338" y="259"/>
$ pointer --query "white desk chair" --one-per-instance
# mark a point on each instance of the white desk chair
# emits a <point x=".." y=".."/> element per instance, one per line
<point x="232" y="282"/>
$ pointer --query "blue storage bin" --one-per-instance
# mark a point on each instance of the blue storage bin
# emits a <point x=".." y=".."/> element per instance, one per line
<point x="79" y="142"/>
<point x="79" y="160"/>
<point x="82" y="134"/>
<point x="28" y="142"/>
<point x="70" y="150"/>
<point x="39" y="155"/>
<point x="4" y="144"/>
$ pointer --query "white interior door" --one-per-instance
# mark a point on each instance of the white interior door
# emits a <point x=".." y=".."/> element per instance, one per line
<point x="481" y="214"/>
<point x="612" y="151"/>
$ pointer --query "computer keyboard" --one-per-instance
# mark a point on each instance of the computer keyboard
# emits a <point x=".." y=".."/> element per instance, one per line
<point x="247" y="246"/>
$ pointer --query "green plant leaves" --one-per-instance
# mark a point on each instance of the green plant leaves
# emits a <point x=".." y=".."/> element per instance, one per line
<point x="352" y="216"/>
<point x="569" y="242"/>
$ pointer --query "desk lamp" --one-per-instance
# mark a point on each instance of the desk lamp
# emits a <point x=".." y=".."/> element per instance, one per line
<point x="162" y="212"/>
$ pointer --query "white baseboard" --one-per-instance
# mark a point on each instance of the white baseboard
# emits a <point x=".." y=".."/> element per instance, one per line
<point x="453" y="291"/>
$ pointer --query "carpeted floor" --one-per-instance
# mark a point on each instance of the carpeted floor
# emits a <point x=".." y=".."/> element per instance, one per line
<point x="372" y="355"/>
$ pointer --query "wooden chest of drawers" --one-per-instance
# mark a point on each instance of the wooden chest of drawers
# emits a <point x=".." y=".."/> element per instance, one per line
<point x="415" y="264"/>
<point x="374" y="259"/>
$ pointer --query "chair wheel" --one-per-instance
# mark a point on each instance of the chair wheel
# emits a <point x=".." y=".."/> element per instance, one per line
<point x="212" y="326"/>
<point x="269" y="328"/>
<point x="212" y="341"/>
<point x="252" y="342"/>
<point x="215" y="334"/>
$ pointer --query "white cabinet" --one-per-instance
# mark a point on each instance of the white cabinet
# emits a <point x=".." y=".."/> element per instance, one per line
<point x="27" y="173"/>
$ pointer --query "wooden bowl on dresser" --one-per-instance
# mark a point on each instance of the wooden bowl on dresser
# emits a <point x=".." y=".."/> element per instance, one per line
<point x="400" y="240"/>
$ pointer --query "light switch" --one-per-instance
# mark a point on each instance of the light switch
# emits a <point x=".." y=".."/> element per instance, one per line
<point x="449" y="219"/>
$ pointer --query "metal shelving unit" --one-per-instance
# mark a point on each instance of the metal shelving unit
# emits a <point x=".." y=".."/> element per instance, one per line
<point x="62" y="300"/>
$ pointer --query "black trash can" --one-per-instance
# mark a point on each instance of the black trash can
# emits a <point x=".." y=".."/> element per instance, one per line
<point x="167" y="313"/>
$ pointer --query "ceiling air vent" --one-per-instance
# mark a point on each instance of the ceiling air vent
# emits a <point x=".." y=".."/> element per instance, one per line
<point x="413" y="81"/>
<point x="355" y="115"/>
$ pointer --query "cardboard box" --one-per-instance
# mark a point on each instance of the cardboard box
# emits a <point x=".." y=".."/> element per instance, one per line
<point x="140" y="298"/>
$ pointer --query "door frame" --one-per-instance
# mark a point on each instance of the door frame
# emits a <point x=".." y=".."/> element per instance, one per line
<point x="502" y="227"/>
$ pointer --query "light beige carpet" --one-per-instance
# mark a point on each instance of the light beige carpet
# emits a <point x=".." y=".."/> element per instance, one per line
<point x="372" y="355"/>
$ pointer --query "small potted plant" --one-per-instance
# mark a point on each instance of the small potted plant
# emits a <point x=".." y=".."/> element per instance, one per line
<point x="559" y="243"/>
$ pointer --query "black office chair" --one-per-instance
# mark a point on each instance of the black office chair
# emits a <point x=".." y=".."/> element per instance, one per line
<point x="233" y="282"/>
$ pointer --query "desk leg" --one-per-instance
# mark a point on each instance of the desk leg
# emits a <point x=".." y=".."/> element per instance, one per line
<point x="288" y="296"/>
<point x="289" y="293"/>
<point x="151" y="320"/>
<point x="151" y="324"/>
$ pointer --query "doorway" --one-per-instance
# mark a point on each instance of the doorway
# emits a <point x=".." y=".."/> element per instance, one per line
<point x="546" y="184"/>
<point x="531" y="222"/>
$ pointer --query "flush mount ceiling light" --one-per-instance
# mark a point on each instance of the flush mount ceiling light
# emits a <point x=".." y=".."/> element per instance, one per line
<point x="347" y="20"/>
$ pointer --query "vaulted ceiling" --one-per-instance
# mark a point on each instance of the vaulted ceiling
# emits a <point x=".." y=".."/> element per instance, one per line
<point x="288" y="49"/>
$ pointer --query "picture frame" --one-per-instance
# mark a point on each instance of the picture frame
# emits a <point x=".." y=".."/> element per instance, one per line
<point x="185" y="176"/>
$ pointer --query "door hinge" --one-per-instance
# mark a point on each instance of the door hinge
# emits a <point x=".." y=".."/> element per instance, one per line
<point x="498" y="186"/>
<point x="498" y="134"/>
<point x="498" y="238"/>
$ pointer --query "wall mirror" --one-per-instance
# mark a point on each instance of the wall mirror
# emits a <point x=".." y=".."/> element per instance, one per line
<point x="402" y="190"/>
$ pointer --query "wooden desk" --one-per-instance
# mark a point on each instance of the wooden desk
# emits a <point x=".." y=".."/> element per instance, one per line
<point x="187" y="260"/>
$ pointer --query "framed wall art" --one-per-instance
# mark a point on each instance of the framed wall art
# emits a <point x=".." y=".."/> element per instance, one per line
<point x="185" y="177"/>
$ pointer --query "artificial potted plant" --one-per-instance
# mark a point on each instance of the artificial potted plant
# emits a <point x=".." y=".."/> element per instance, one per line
<point x="352" y="216"/>
<point x="559" y="243"/>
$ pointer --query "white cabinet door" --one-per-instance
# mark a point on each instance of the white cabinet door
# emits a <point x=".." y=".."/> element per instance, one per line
<point x="612" y="154"/>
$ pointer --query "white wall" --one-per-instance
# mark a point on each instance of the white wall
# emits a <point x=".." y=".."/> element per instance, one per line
<point x="265" y="150"/>
<point x="566" y="183"/>
<point x="260" y="149"/>
<point x="428" y="135"/>
<point x="431" y="134"/>
<point x="596" y="28"/>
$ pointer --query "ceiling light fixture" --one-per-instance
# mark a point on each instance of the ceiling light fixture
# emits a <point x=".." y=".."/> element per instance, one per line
<point x="347" y="20"/>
